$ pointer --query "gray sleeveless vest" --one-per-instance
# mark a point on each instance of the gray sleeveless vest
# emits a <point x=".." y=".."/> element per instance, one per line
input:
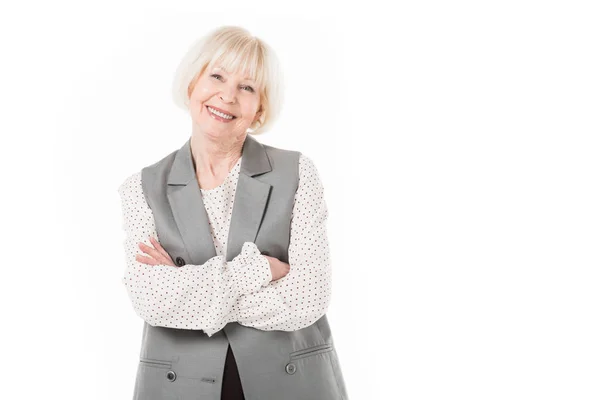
<point x="182" y="364"/>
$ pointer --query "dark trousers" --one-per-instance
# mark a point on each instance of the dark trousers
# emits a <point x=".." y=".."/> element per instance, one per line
<point x="232" y="386"/>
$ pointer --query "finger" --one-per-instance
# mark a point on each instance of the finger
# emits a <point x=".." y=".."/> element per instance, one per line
<point x="159" y="247"/>
<point x="151" y="251"/>
<point x="159" y="252"/>
<point x="146" y="260"/>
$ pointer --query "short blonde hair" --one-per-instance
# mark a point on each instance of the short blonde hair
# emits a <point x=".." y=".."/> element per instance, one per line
<point x="236" y="50"/>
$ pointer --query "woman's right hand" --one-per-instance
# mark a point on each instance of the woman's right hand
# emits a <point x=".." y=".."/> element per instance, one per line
<point x="279" y="269"/>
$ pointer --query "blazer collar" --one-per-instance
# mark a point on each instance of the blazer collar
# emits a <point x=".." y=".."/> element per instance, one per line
<point x="254" y="161"/>
<point x="185" y="200"/>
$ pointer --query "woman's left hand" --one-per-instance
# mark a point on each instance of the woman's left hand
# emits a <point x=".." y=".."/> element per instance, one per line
<point x="158" y="255"/>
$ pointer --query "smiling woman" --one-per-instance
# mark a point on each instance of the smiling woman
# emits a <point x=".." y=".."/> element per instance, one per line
<point x="237" y="105"/>
<point x="231" y="61"/>
<point x="242" y="252"/>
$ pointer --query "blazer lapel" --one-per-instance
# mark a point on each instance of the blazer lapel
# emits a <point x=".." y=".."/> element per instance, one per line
<point x="185" y="199"/>
<point x="251" y="196"/>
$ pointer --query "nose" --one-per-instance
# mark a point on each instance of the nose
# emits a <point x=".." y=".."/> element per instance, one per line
<point x="228" y="94"/>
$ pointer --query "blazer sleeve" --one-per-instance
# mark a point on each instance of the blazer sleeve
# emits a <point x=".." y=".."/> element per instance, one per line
<point x="302" y="296"/>
<point x="187" y="297"/>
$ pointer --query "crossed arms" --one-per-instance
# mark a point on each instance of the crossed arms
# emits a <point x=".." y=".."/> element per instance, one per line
<point x="210" y="295"/>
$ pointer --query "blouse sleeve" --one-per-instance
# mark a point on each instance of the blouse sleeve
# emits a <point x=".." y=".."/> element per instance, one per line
<point x="302" y="296"/>
<point x="187" y="297"/>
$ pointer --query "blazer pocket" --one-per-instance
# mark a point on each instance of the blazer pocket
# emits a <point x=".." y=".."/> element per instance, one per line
<point x="311" y="351"/>
<point x="151" y="362"/>
<point x="155" y="381"/>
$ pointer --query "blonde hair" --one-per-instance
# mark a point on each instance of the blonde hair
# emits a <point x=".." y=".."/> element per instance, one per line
<point x="236" y="50"/>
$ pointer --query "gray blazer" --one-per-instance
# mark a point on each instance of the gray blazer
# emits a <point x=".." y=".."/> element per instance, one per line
<point x="181" y="364"/>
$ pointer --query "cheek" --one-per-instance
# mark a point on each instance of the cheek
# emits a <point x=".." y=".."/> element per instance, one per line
<point x="201" y="92"/>
<point x="250" y="109"/>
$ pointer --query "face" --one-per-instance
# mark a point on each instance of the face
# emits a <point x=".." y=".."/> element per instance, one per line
<point x="233" y="94"/>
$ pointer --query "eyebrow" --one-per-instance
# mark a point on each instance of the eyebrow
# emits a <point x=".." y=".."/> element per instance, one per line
<point x="247" y="78"/>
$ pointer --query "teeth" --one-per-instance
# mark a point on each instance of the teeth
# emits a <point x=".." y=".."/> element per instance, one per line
<point x="220" y="114"/>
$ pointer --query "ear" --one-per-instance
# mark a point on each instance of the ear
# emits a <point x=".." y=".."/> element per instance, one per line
<point x="258" y="114"/>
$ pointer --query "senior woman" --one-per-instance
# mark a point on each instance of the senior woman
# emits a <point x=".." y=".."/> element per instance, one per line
<point x="227" y="259"/>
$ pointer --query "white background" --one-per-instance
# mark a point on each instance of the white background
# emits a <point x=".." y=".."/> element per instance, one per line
<point x="459" y="147"/>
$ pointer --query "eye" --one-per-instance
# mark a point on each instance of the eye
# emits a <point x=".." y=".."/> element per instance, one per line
<point x="216" y="75"/>
<point x="248" y="88"/>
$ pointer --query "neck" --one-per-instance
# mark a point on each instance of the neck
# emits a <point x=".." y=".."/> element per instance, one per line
<point x="215" y="157"/>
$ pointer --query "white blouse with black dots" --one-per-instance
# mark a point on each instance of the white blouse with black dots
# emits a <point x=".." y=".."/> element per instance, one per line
<point x="210" y="295"/>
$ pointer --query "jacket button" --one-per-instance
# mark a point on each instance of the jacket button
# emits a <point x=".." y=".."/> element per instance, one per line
<point x="180" y="261"/>
<point x="171" y="376"/>
<point x="290" y="368"/>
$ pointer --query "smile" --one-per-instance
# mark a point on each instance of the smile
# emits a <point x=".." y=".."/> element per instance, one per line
<point x="220" y="116"/>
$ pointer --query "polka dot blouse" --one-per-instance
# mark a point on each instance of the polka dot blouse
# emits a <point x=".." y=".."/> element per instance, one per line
<point x="210" y="295"/>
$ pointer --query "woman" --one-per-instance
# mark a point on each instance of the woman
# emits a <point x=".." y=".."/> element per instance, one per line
<point x="234" y="288"/>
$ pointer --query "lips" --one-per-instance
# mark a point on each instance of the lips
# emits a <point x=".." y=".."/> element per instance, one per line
<point x="221" y="110"/>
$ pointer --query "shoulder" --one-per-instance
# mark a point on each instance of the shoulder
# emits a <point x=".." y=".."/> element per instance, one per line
<point x="134" y="186"/>
<point x="132" y="195"/>
<point x="159" y="167"/>
<point x="131" y="184"/>
<point x="306" y="164"/>
<point x="302" y="160"/>
<point x="309" y="174"/>
<point x="306" y="168"/>
<point x="309" y="177"/>
<point x="279" y="154"/>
